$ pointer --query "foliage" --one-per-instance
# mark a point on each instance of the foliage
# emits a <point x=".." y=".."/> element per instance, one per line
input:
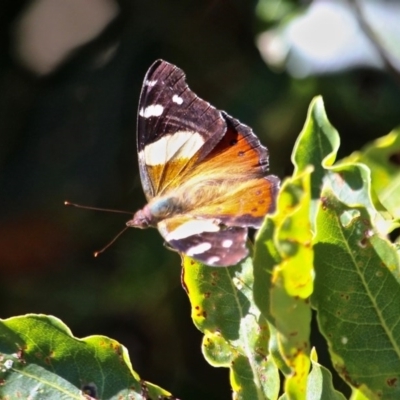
<point x="39" y="358"/>
<point x="325" y="248"/>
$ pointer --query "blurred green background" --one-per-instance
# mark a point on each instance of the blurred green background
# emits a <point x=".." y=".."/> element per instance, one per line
<point x="70" y="78"/>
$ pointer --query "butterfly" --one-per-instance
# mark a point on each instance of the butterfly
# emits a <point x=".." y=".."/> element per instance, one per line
<point x="204" y="174"/>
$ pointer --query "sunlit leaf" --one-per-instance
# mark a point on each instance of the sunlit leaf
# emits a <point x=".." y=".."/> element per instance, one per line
<point x="383" y="159"/>
<point x="316" y="146"/>
<point x="319" y="384"/>
<point x="236" y="335"/>
<point x="39" y="358"/>
<point x="357" y="298"/>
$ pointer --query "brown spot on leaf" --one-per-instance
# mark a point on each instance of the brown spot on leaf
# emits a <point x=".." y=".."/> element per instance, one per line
<point x="395" y="158"/>
<point x="118" y="350"/>
<point x="90" y="389"/>
<point x="20" y="353"/>
<point x="261" y="352"/>
<point x="345" y="374"/>
<point x="241" y="153"/>
<point x="144" y="389"/>
<point x="391" y="382"/>
<point x="366" y="222"/>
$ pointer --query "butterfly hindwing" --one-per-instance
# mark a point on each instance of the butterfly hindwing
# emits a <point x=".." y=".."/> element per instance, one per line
<point x="205" y="240"/>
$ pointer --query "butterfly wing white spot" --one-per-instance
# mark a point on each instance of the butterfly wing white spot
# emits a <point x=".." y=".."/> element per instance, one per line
<point x="212" y="260"/>
<point x="227" y="243"/>
<point x="150" y="83"/>
<point x="177" y="99"/>
<point x="155" y="110"/>
<point x="200" y="248"/>
<point x="190" y="228"/>
<point x="181" y="144"/>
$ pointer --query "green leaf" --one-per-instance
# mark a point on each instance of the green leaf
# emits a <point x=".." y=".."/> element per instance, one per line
<point x="358" y="395"/>
<point x="349" y="183"/>
<point x="236" y="335"/>
<point x="283" y="280"/>
<point x="40" y="358"/>
<point x="352" y="185"/>
<point x="319" y="384"/>
<point x="383" y="159"/>
<point x="293" y="236"/>
<point x="286" y="239"/>
<point x="283" y="265"/>
<point x="356" y="295"/>
<point x="316" y="145"/>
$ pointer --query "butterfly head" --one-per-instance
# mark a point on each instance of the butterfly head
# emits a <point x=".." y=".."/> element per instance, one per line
<point x="141" y="219"/>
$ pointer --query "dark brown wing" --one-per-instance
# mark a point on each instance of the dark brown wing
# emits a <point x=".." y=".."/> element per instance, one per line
<point x="174" y="126"/>
<point x="205" y="240"/>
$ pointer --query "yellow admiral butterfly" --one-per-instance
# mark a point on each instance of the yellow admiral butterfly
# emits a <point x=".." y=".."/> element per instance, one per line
<point x="204" y="173"/>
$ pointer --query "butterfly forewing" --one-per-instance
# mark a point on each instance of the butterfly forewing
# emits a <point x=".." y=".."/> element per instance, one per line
<point x="170" y="137"/>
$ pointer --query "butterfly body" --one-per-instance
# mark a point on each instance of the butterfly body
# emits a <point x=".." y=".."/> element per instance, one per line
<point x="204" y="173"/>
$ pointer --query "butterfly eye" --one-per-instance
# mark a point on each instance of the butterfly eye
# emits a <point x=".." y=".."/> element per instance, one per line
<point x="141" y="219"/>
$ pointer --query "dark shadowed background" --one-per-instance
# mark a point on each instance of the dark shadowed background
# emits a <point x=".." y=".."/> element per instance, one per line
<point x="70" y="78"/>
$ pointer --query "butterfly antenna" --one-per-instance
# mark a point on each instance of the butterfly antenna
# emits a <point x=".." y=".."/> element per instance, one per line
<point x="67" y="203"/>
<point x="96" y="253"/>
